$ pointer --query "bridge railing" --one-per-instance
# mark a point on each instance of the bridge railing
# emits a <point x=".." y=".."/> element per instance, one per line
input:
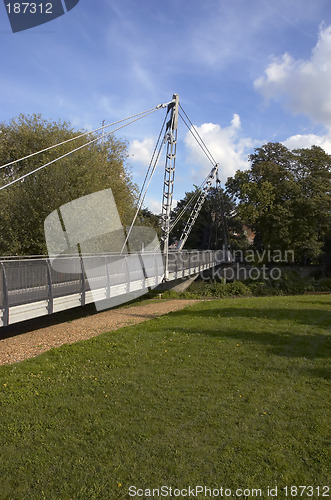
<point x="31" y="287"/>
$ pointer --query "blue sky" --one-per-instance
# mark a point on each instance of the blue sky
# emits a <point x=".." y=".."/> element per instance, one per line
<point x="246" y="71"/>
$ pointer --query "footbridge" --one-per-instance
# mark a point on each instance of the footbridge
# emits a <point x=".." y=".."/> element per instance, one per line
<point x="91" y="257"/>
<point x="30" y="288"/>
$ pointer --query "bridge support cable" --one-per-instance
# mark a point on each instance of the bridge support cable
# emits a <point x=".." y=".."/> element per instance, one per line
<point x="196" y="209"/>
<point x="148" y="177"/>
<point x="77" y="149"/>
<point x="103" y="127"/>
<point x="192" y="200"/>
<point x="190" y="203"/>
<point x="224" y="221"/>
<point x="202" y="190"/>
<point x="184" y="209"/>
<point x="169" y="177"/>
<point x="193" y="130"/>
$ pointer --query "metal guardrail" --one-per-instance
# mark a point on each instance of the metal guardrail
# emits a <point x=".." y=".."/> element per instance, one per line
<point x="39" y="286"/>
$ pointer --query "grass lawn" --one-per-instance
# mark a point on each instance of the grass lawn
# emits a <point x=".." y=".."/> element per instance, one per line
<point x="230" y="393"/>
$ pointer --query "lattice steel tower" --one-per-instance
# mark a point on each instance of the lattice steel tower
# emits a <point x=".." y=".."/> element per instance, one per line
<point x="169" y="177"/>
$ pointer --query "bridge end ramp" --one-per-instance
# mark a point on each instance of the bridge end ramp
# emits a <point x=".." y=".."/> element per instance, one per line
<point x="179" y="285"/>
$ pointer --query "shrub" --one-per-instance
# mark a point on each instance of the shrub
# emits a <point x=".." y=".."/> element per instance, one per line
<point x="291" y="283"/>
<point x="260" y="288"/>
<point x="323" y="285"/>
<point x="238" y="288"/>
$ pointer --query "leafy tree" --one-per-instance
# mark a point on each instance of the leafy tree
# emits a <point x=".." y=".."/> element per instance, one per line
<point x="199" y="236"/>
<point x="286" y="198"/>
<point x="217" y="223"/>
<point x="149" y="219"/>
<point x="25" y="205"/>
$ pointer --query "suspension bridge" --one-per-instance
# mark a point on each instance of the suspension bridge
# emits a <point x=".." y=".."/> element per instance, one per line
<point x="91" y="257"/>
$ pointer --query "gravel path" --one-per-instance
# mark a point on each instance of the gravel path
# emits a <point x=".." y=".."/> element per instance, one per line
<point x="19" y="346"/>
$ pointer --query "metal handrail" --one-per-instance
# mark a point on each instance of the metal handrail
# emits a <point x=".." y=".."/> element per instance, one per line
<point x="32" y="280"/>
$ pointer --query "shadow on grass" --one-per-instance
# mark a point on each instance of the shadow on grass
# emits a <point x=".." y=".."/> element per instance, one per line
<point x="318" y="373"/>
<point x="317" y="317"/>
<point x="279" y="341"/>
<point x="315" y="302"/>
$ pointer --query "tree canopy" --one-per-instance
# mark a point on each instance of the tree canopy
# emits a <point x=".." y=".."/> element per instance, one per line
<point x="25" y="205"/>
<point x="286" y="199"/>
<point x="216" y="225"/>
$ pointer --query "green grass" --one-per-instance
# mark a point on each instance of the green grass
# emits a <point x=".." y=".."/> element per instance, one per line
<point x="230" y="393"/>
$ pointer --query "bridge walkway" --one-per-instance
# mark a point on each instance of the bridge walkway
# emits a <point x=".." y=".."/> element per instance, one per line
<point x="33" y="287"/>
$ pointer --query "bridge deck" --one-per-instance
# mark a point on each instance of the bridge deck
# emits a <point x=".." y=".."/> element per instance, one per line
<point x="35" y="287"/>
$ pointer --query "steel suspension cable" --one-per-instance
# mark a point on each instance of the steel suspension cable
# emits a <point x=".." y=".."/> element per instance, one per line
<point x="204" y="148"/>
<point x="84" y="134"/>
<point x="225" y="224"/>
<point x="145" y="183"/>
<point x="188" y="204"/>
<point x="208" y="154"/>
<point x="153" y="155"/>
<point x="73" y="151"/>
<point x="193" y="198"/>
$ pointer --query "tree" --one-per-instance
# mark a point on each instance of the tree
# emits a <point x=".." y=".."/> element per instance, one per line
<point x="286" y="198"/>
<point x="217" y="223"/>
<point x="149" y="219"/>
<point x="25" y="205"/>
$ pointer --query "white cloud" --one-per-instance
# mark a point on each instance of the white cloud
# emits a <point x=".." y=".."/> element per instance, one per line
<point x="226" y="145"/>
<point x="155" y="205"/>
<point x="308" y="140"/>
<point x="303" y="85"/>
<point x="142" y="151"/>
